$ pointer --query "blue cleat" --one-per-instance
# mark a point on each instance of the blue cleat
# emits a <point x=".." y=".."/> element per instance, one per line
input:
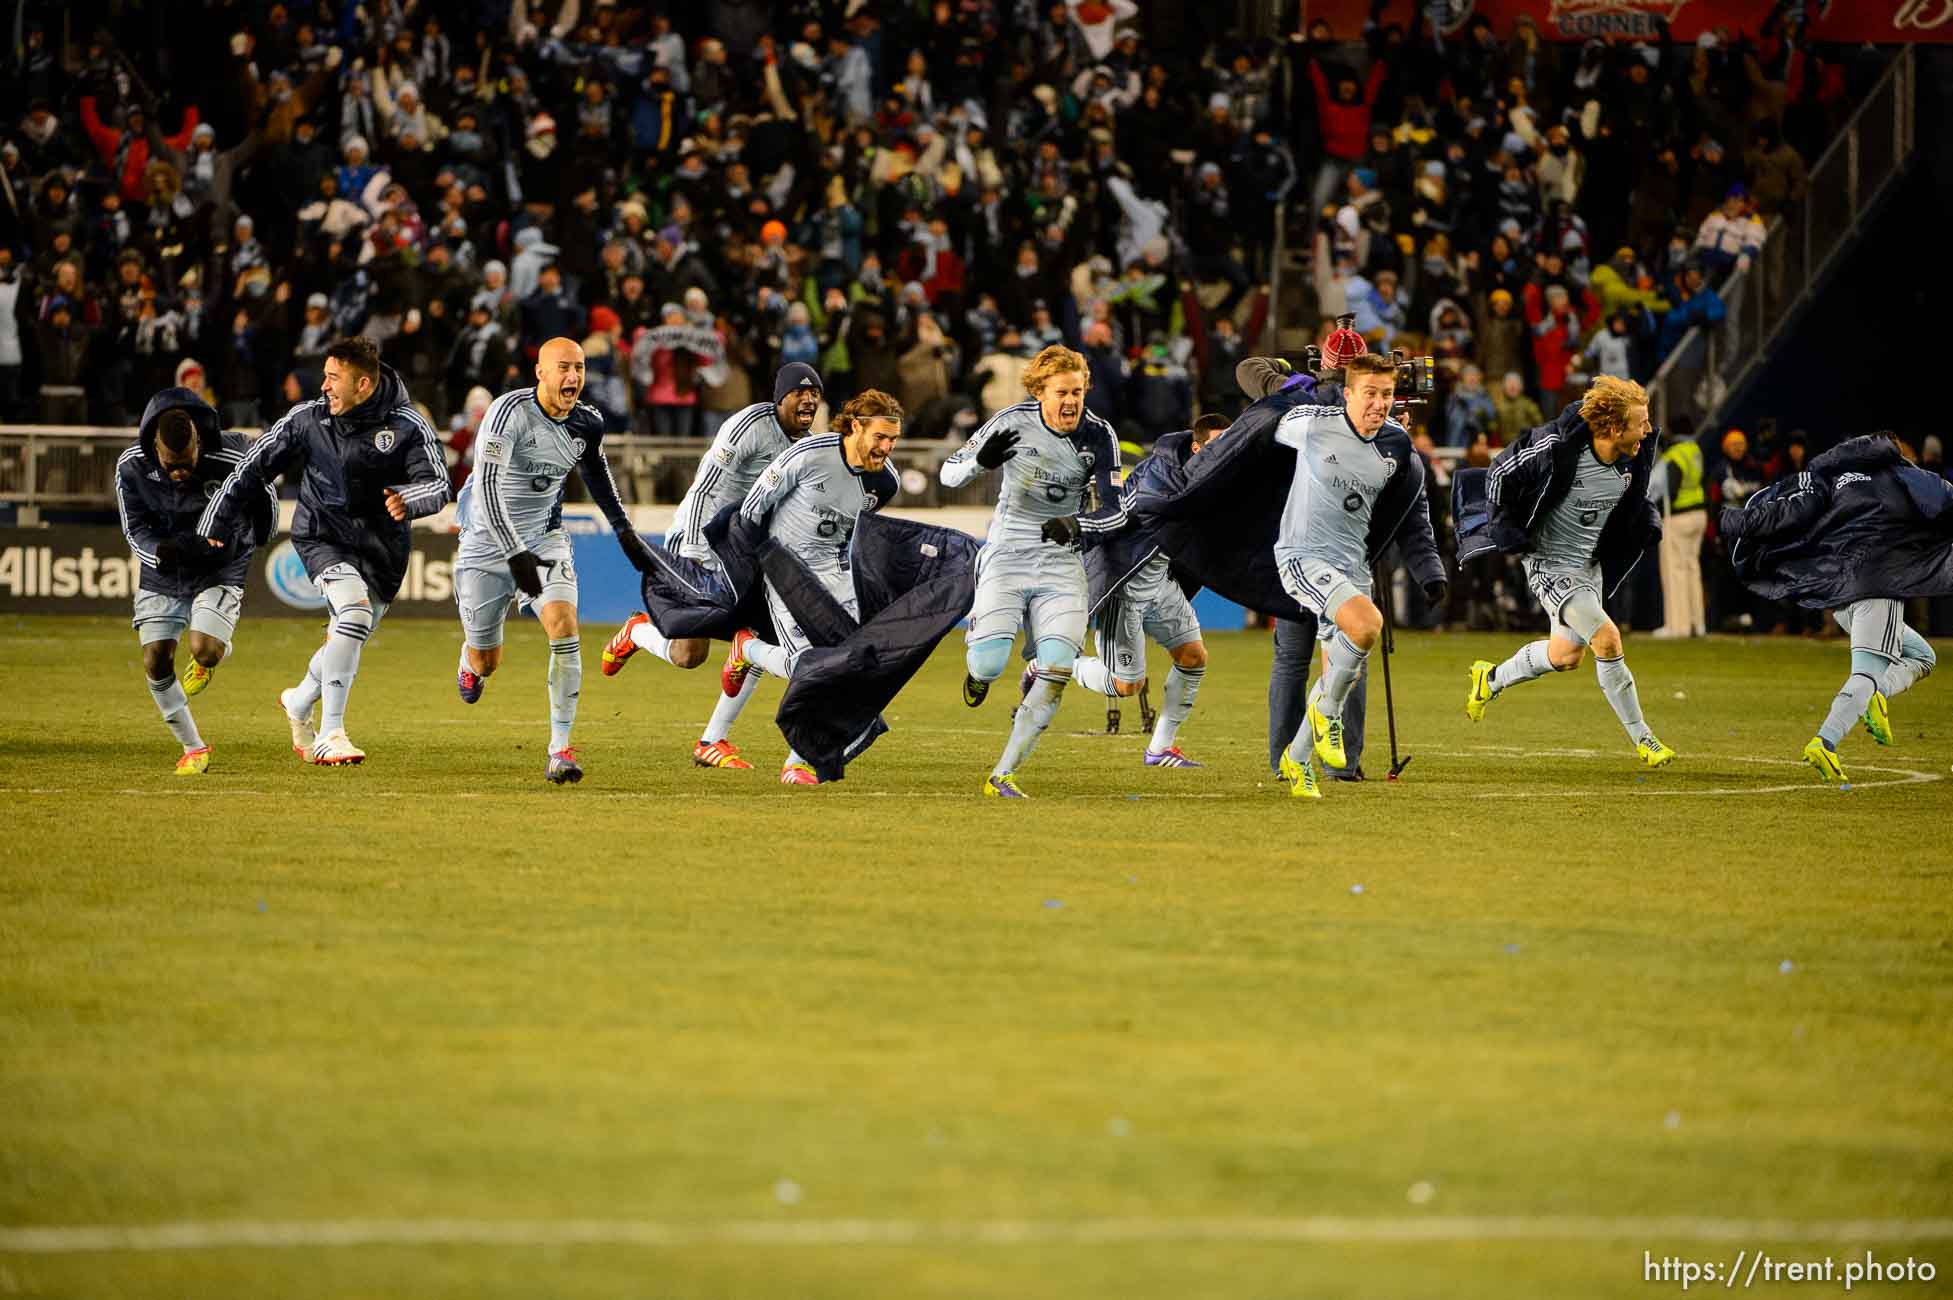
<point x="563" y="768"/>
<point x="1169" y="758"/>
<point x="468" y="684"/>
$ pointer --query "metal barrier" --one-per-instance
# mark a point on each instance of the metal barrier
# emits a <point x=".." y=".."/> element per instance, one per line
<point x="74" y="466"/>
<point x="1763" y="298"/>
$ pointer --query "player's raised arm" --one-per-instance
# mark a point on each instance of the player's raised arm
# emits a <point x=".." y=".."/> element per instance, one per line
<point x="987" y="448"/>
<point x="1790" y="513"/>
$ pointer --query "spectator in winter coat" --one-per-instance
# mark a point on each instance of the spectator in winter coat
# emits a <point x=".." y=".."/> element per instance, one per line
<point x="549" y="312"/>
<point x="1557" y="332"/>
<point x="1695" y="303"/>
<point x="1777" y="175"/>
<point x="1513" y="410"/>
<point x="1159" y="393"/>
<point x="1106" y="396"/>
<point x="1729" y="236"/>
<point x="1621" y="285"/>
<point x="1612" y="350"/>
<point x="1469" y="409"/>
<point x="64" y="365"/>
<point x="1502" y="336"/>
<point x="125" y="150"/>
<point x="1343" y="119"/>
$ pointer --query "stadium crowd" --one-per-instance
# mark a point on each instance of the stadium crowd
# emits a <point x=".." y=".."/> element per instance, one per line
<point x="914" y="198"/>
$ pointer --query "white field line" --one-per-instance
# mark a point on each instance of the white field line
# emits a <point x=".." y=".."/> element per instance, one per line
<point x="1614" y="789"/>
<point x="222" y="1235"/>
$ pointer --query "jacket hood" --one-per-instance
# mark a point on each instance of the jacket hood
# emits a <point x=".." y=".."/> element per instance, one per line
<point x="209" y="427"/>
<point x="388" y="394"/>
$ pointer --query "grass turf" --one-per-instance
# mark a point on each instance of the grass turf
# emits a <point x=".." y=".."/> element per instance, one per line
<point x="433" y="987"/>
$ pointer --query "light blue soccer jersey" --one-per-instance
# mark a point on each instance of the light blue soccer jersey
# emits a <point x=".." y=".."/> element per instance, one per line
<point x="1051" y="476"/>
<point x="744" y="446"/>
<point x="522" y="460"/>
<point x="809" y="499"/>
<point x="1339" y="474"/>
<point x="1566" y="539"/>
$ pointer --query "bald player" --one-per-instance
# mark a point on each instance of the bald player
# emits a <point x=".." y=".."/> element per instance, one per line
<point x="512" y="540"/>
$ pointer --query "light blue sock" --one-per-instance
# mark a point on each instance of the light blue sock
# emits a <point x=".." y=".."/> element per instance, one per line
<point x="1847" y="708"/>
<point x="1528" y="662"/>
<point x="1182" y="685"/>
<point x="1617" y="684"/>
<point x="1033" y="716"/>
<point x="1342" y="664"/>
<point x="565" y="684"/>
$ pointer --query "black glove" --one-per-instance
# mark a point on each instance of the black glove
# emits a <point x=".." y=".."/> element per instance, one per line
<point x="169" y="555"/>
<point x="635" y="550"/>
<point x="1062" y="530"/>
<point x="528" y="578"/>
<point x="1437" y="592"/>
<point x="1000" y="448"/>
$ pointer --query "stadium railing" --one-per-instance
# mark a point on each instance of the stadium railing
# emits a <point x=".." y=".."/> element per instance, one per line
<point x="1712" y="365"/>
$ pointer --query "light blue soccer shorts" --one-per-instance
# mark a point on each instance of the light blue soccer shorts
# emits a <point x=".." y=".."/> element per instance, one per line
<point x="483" y="591"/>
<point x="1039" y="588"/>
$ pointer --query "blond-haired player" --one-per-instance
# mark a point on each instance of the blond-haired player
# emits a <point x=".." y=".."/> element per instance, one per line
<point x="1058" y="494"/>
<point x="1572" y="498"/>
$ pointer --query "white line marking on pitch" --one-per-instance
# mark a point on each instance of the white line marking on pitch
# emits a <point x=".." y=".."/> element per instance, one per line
<point x="95" y="1239"/>
<point x="1900" y="775"/>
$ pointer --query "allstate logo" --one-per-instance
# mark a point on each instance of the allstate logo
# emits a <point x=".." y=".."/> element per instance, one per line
<point x="285" y="574"/>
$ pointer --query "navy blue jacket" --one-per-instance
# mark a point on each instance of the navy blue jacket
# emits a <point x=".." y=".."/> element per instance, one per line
<point x="346" y="465"/>
<point x="1121" y="554"/>
<point x="1220" y="525"/>
<point x="914" y="584"/>
<point x="155" y="510"/>
<point x="1859" y="524"/>
<point x="1499" y="509"/>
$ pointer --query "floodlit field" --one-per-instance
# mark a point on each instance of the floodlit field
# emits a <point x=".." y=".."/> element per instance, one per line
<point x="429" y="1027"/>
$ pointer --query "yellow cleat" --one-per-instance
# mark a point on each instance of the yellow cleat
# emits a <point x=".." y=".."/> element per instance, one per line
<point x="195" y="762"/>
<point x="1002" y="787"/>
<point x="196" y="677"/>
<point x="1824" y="760"/>
<point x="1301" y="778"/>
<point x="1878" y="718"/>
<point x="1480" y="693"/>
<point x="1653" y="753"/>
<point x="1328" y="734"/>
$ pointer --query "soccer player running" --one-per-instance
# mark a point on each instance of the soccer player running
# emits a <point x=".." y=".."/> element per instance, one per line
<point x="1322" y="551"/>
<point x="808" y="501"/>
<point x="1572" y="496"/>
<point x="1058" y="462"/>
<point x="1859" y="532"/>
<point x="181" y="454"/>
<point x="1150" y="603"/>
<point x="367" y="463"/>
<point x="512" y="538"/>
<point x="744" y="446"/>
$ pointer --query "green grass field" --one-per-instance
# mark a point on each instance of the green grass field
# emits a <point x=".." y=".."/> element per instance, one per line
<point x="443" y="1030"/>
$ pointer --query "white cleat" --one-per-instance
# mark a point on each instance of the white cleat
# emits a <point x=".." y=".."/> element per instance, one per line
<point x="333" y="750"/>
<point x="303" y="736"/>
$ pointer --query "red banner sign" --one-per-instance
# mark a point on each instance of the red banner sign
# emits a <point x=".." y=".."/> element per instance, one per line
<point x="1879" y="21"/>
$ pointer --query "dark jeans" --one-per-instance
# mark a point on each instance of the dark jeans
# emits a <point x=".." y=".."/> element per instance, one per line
<point x="1288" y="679"/>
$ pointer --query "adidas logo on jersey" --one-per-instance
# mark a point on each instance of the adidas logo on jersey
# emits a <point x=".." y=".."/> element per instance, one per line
<point x="1846" y="480"/>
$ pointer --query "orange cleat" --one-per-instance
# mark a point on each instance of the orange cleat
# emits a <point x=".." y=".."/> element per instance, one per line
<point x="733" y="675"/>
<point x="720" y="753"/>
<point x="798" y="774"/>
<point x="620" y="647"/>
